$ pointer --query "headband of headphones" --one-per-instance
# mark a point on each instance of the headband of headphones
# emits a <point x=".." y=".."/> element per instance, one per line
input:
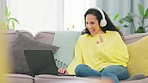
<point x="103" y="21"/>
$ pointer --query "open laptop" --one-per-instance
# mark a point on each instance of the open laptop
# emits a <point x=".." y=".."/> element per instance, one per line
<point x="41" y="62"/>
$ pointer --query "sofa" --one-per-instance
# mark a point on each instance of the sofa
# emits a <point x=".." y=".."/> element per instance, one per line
<point x="136" y="43"/>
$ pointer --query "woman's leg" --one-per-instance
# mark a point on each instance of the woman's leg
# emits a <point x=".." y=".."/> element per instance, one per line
<point x="116" y="72"/>
<point x="84" y="71"/>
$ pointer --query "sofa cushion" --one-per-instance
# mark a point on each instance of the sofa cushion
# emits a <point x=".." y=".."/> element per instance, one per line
<point x="134" y="37"/>
<point x="19" y="78"/>
<point x="68" y="79"/>
<point x="66" y="40"/>
<point x="45" y="36"/>
<point x="22" y="43"/>
<point x="138" y="57"/>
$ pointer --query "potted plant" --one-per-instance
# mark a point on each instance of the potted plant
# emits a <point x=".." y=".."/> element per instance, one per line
<point x="130" y="18"/>
<point x="71" y="28"/>
<point x="10" y="21"/>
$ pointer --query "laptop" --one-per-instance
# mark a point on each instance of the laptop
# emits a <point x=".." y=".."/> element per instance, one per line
<point x="41" y="62"/>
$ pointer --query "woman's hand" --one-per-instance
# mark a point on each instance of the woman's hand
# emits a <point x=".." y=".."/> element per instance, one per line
<point x="62" y="71"/>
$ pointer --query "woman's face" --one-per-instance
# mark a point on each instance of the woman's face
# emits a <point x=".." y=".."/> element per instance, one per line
<point x="92" y="24"/>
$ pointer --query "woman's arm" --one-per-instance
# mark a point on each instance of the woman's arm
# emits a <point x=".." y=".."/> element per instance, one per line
<point x="116" y="52"/>
<point x="78" y="58"/>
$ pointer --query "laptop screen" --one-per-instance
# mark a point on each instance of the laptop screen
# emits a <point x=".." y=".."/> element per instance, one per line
<point x="41" y="62"/>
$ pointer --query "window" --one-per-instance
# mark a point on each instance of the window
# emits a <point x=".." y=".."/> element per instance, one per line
<point x="49" y="15"/>
<point x="74" y="11"/>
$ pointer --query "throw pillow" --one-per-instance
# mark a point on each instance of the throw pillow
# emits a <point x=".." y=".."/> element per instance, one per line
<point x="138" y="57"/>
<point x="22" y="43"/>
<point x="66" y="40"/>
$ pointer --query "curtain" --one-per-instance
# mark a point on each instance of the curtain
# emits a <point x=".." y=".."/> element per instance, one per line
<point x="74" y="11"/>
<point x="2" y="13"/>
<point x="51" y="15"/>
<point x="37" y="15"/>
<point x="112" y="7"/>
<point x="58" y="15"/>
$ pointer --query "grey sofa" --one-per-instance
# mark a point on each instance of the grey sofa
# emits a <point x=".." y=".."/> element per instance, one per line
<point x="47" y="37"/>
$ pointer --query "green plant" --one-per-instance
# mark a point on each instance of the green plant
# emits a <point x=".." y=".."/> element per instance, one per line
<point x="130" y="18"/>
<point x="10" y="21"/>
<point x="71" y="28"/>
<point x="117" y="17"/>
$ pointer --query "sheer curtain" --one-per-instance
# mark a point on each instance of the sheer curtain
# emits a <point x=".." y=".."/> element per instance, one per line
<point x="57" y="15"/>
<point x="37" y="15"/>
<point x="51" y="15"/>
<point x="74" y="11"/>
<point x="2" y="13"/>
<point x="112" y="7"/>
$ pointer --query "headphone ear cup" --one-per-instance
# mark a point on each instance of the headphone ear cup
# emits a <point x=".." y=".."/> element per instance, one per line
<point x="103" y="23"/>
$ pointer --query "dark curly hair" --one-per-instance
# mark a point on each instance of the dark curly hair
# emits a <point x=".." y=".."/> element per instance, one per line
<point x="110" y="26"/>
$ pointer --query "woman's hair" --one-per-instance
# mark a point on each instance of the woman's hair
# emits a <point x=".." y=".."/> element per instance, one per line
<point x="109" y="26"/>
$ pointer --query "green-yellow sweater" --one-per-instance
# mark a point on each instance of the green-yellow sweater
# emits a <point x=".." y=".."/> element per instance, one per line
<point x="112" y="51"/>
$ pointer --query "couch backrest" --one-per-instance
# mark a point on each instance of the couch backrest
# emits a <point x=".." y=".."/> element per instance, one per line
<point x="45" y="36"/>
<point x="134" y="37"/>
<point x="11" y="37"/>
<point x="11" y="34"/>
<point x="48" y="36"/>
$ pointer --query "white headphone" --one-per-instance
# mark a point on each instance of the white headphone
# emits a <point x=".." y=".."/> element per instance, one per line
<point x="103" y="22"/>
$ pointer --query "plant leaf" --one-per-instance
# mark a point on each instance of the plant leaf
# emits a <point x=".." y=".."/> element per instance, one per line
<point x="6" y="11"/>
<point x="141" y="9"/>
<point x="73" y="26"/>
<point x="118" y="27"/>
<point x="14" y="20"/>
<point x="13" y="25"/>
<point x="125" y="26"/>
<point x="116" y="16"/>
<point x="121" y="20"/>
<point x="8" y="14"/>
<point x="146" y="14"/>
<point x="128" y="19"/>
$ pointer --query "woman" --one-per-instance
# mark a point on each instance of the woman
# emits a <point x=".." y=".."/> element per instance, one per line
<point x="100" y="51"/>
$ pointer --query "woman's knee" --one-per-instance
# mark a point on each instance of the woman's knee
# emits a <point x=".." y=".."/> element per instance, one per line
<point x="109" y="71"/>
<point x="115" y="71"/>
<point x="106" y="73"/>
<point x="79" y="68"/>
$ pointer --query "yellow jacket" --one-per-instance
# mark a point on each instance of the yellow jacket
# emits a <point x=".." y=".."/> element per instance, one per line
<point x="112" y="51"/>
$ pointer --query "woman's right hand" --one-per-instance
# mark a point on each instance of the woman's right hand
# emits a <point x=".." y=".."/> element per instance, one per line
<point x="62" y="71"/>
